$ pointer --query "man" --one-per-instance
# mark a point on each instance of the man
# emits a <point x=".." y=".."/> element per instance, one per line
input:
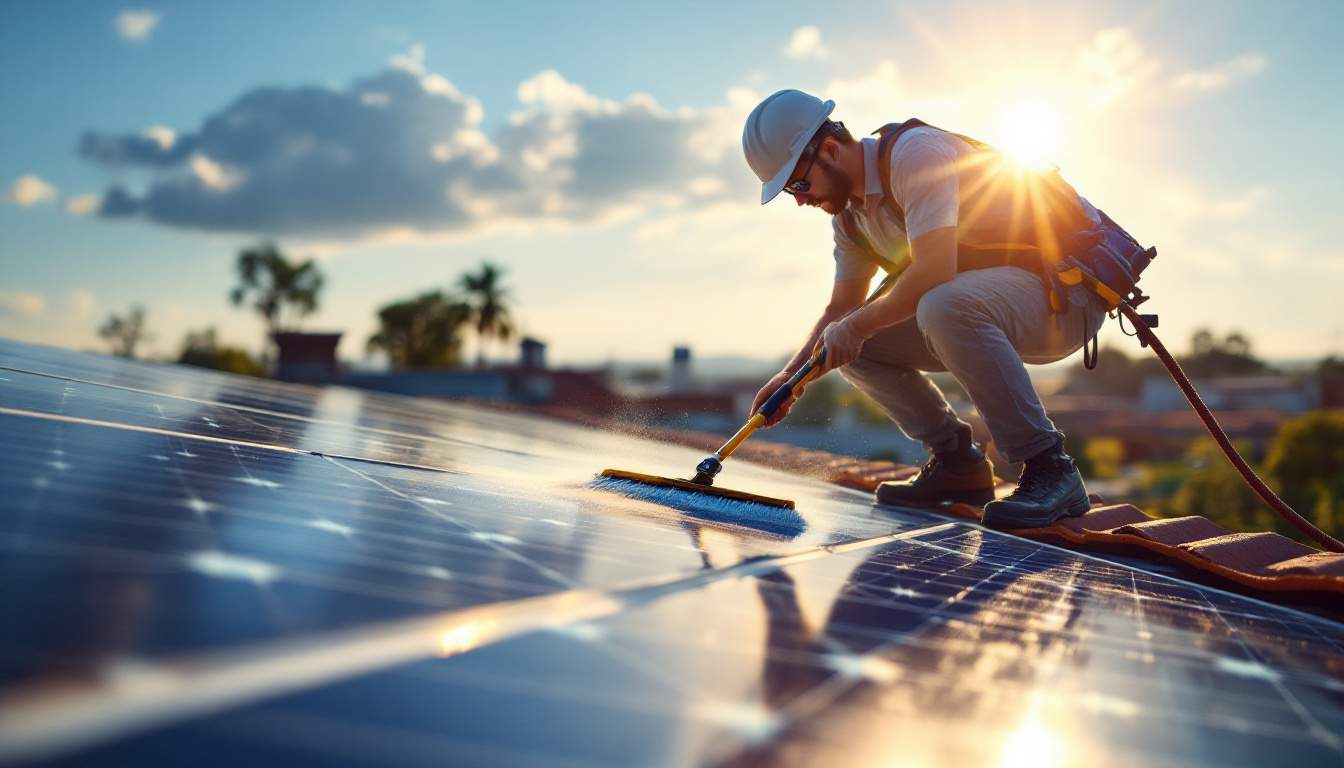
<point x="980" y="324"/>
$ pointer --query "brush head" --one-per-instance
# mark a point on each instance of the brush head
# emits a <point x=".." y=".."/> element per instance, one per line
<point x="706" y="502"/>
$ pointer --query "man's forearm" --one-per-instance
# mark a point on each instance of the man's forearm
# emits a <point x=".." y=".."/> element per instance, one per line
<point x="827" y="317"/>
<point x="899" y="304"/>
<point x="933" y="261"/>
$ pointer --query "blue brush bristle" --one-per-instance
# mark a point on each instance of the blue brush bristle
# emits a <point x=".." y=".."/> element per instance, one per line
<point x="781" y="521"/>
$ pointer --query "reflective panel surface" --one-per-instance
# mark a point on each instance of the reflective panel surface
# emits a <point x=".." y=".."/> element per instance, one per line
<point x="203" y="568"/>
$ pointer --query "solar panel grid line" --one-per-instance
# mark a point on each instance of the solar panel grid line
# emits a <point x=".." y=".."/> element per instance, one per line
<point x="1055" y="626"/>
<point x="1317" y="730"/>
<point x="821" y="697"/>
<point x="426" y="436"/>
<point x="570" y="694"/>
<point x="171" y="692"/>
<point x="315" y="738"/>
<point x="189" y="524"/>
<point x="148" y="499"/>
<point x="213" y="438"/>
<point x="166" y="693"/>
<point x="147" y="430"/>
<point x="559" y="578"/>
<point x="1237" y="598"/>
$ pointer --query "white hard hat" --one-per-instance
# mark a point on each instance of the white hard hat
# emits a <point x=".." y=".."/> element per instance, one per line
<point x="777" y="132"/>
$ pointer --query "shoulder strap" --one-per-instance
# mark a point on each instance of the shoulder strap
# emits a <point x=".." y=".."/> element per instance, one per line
<point x="889" y="133"/>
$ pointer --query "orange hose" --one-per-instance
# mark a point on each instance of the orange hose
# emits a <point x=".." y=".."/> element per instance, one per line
<point x="1275" y="503"/>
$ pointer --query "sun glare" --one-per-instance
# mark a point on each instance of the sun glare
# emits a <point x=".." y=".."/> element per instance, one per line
<point x="1028" y="132"/>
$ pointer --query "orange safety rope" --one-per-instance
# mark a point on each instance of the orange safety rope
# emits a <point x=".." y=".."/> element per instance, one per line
<point x="1147" y="337"/>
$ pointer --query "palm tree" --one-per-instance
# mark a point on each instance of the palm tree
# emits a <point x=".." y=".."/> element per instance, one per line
<point x="125" y="333"/>
<point x="277" y="283"/>
<point x="421" y="332"/>
<point x="489" y="315"/>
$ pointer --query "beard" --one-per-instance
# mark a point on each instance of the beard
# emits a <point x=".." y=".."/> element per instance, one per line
<point x="839" y="183"/>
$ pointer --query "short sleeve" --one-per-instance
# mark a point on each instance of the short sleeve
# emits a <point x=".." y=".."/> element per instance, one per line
<point x="850" y="263"/>
<point x="925" y="182"/>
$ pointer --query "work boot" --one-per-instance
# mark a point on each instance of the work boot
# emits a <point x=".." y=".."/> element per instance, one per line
<point x="961" y="474"/>
<point x="1050" y="488"/>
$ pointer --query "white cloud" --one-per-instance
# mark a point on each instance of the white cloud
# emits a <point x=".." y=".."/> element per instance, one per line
<point x="213" y="175"/>
<point x="137" y="24"/>
<point x="80" y="302"/>
<point x="30" y="190"/>
<point x="162" y="135"/>
<point x="1113" y="64"/>
<point x="1221" y="75"/>
<point x="550" y="90"/>
<point x="299" y="162"/>
<point x="412" y="61"/>
<point x="82" y="205"/>
<point x="26" y="303"/>
<point x="805" y="43"/>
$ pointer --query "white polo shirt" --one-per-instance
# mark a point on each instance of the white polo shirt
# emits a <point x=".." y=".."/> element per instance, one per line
<point x="939" y="181"/>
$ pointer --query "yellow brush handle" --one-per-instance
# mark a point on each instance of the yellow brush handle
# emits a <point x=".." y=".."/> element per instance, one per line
<point x="756" y="420"/>
<point x="810" y="370"/>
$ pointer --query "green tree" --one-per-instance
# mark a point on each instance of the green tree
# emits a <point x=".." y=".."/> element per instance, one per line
<point x="1214" y="489"/>
<point x="1231" y="356"/>
<point x="276" y="284"/>
<point x="422" y="332"/>
<point x="203" y="350"/>
<point x="819" y="402"/>
<point x="124" y="333"/>
<point x="1306" y="462"/>
<point x="1105" y="456"/>
<point x="486" y="298"/>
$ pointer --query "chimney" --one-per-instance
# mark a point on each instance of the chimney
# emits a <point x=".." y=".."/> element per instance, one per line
<point x="533" y="355"/>
<point x="680" y="378"/>
<point x="308" y="358"/>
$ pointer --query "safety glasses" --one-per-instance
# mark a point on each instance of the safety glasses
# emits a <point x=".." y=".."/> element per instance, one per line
<point x="802" y="184"/>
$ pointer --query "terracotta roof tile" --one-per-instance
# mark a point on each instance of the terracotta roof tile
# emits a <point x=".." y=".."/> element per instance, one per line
<point x="1174" y="530"/>
<point x="1315" y="564"/>
<point x="1248" y="552"/>
<point x="1105" y="518"/>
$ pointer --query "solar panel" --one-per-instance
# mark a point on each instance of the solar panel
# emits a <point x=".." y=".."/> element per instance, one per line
<point x="207" y="568"/>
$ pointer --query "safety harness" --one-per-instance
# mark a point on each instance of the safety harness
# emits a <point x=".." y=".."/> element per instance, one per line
<point x="1075" y="256"/>
<point x="1058" y="241"/>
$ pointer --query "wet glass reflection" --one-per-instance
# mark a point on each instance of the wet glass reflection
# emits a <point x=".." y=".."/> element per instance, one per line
<point x="314" y="520"/>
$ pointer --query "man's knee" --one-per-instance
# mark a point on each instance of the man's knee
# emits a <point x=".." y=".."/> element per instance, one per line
<point x="944" y="309"/>
<point x="861" y="372"/>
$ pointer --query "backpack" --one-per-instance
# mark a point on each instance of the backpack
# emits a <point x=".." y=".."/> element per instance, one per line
<point x="1063" y="245"/>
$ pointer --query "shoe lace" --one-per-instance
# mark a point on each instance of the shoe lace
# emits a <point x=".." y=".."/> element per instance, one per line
<point x="929" y="468"/>
<point x="1037" y="476"/>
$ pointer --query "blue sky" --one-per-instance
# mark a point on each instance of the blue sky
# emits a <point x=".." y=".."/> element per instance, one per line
<point x="593" y="150"/>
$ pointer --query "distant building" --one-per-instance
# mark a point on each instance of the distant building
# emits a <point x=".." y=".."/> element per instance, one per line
<point x="308" y="358"/>
<point x="533" y="354"/>
<point x="1238" y="393"/>
<point x="679" y="379"/>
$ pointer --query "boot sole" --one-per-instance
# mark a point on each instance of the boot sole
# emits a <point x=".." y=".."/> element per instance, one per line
<point x="1000" y="517"/>
<point x="974" y="498"/>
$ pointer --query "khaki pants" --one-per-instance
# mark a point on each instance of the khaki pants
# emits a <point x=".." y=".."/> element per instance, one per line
<point x="981" y="326"/>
